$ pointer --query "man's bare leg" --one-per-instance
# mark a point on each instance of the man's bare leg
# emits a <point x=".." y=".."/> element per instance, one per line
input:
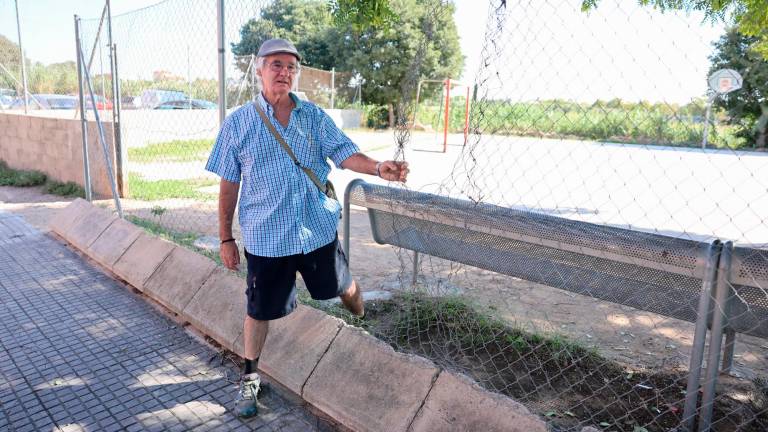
<point x="254" y="335"/>
<point x="353" y="300"/>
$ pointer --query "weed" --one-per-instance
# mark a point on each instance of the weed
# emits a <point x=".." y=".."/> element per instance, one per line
<point x="69" y="189"/>
<point x="21" y="178"/>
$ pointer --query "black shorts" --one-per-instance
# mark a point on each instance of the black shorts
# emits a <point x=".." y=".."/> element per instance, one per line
<point x="271" y="283"/>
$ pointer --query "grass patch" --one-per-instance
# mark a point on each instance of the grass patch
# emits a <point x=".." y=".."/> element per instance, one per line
<point x="20" y="178"/>
<point x="153" y="190"/>
<point x="68" y="189"/>
<point x="611" y="121"/>
<point x="172" y="151"/>
<point x="186" y="239"/>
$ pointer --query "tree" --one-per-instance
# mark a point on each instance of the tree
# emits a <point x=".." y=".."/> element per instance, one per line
<point x="750" y="16"/>
<point x="10" y="60"/>
<point x="304" y="22"/>
<point x="421" y="42"/>
<point x="747" y="107"/>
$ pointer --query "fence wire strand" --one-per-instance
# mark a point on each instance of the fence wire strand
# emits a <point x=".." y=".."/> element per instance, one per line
<point x="578" y="136"/>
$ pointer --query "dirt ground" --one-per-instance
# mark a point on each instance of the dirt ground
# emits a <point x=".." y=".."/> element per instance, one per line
<point x="634" y="338"/>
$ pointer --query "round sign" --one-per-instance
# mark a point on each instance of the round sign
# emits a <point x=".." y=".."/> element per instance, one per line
<point x="725" y="81"/>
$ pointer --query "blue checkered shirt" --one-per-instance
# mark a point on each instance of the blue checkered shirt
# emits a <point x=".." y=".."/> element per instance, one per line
<point x="281" y="211"/>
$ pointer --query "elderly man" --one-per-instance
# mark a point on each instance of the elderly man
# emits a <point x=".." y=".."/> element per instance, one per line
<point x="275" y="146"/>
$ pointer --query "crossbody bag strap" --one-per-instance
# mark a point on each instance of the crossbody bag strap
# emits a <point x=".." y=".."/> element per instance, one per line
<point x="288" y="150"/>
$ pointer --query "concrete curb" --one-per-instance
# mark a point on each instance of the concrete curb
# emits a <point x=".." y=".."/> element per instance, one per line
<point x="89" y="227"/>
<point x="66" y="217"/>
<point x="457" y="403"/>
<point x="382" y="390"/>
<point x="141" y="259"/>
<point x="342" y="371"/>
<point x="113" y="242"/>
<point x="296" y="344"/>
<point x="221" y="296"/>
<point x="178" y="278"/>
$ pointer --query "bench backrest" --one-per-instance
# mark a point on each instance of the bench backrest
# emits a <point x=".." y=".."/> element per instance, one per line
<point x="646" y="271"/>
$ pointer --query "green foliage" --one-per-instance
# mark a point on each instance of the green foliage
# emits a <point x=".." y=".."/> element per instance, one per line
<point x="172" y="151"/>
<point x="384" y="57"/>
<point x="362" y="14"/>
<point x="68" y="189"/>
<point x="152" y="190"/>
<point x="21" y="178"/>
<point x="747" y="108"/>
<point x="306" y="23"/>
<point x="10" y="59"/>
<point x="375" y="116"/>
<point x="56" y="78"/>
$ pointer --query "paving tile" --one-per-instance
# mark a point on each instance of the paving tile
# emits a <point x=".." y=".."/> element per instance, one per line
<point x="99" y="357"/>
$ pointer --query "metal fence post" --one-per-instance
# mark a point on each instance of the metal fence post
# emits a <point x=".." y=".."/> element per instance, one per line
<point x="716" y="337"/>
<point x="254" y="87"/>
<point x="23" y="61"/>
<point x="116" y="132"/>
<point x="333" y="86"/>
<point x="220" y="29"/>
<point x="103" y="140"/>
<point x="700" y="334"/>
<point x="83" y="121"/>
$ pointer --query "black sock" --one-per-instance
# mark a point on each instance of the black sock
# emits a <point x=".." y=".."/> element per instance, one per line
<point x="251" y="366"/>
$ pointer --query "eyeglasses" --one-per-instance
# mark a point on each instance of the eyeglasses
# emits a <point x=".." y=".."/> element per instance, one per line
<point x="278" y="67"/>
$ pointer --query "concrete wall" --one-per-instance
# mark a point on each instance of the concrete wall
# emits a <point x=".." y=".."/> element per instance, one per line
<point x="54" y="146"/>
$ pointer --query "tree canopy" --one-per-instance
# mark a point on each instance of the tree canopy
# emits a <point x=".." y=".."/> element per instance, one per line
<point x="747" y="107"/>
<point x="382" y="55"/>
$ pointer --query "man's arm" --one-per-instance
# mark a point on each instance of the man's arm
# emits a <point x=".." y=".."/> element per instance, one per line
<point x="388" y="170"/>
<point x="228" y="251"/>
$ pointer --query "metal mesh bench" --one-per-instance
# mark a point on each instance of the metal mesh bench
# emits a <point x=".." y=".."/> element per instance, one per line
<point x="678" y="278"/>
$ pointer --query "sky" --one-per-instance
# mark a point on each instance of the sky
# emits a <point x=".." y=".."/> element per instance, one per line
<point x="549" y="46"/>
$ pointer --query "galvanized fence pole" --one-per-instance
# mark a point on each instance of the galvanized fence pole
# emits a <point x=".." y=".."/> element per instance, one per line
<point x="700" y="334"/>
<point x="716" y="337"/>
<point x="103" y="140"/>
<point x="23" y="62"/>
<point x="116" y="135"/>
<point x="220" y="30"/>
<point x="83" y="120"/>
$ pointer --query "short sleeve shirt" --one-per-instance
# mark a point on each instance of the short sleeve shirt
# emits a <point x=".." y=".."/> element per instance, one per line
<point x="281" y="211"/>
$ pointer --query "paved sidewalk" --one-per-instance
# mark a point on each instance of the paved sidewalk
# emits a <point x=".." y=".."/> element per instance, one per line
<point x="79" y="351"/>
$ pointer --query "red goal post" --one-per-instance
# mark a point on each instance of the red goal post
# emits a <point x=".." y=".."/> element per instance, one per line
<point x="448" y="85"/>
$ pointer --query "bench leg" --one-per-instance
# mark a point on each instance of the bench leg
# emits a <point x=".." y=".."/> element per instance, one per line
<point x="415" y="267"/>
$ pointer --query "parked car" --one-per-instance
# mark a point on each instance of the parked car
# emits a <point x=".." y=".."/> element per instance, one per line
<point x="7" y="96"/>
<point x="47" y="101"/>
<point x="6" y="101"/>
<point x="102" y="103"/>
<point x="152" y="97"/>
<point x="130" y="102"/>
<point x="187" y="104"/>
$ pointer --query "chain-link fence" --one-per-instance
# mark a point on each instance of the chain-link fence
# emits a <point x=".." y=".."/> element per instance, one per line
<point x="586" y="125"/>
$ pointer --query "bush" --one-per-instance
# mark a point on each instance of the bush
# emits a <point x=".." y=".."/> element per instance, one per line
<point x="69" y="189"/>
<point x="376" y="116"/>
<point x="12" y="177"/>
